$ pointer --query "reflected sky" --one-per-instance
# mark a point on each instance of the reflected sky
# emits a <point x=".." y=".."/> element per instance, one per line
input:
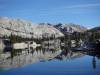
<point x="53" y="62"/>
<point x="80" y="66"/>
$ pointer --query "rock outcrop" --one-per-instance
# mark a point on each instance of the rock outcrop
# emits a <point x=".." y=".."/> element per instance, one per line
<point x="26" y="29"/>
<point x="70" y="28"/>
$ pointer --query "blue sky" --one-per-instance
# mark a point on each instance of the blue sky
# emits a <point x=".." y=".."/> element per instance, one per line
<point x="83" y="12"/>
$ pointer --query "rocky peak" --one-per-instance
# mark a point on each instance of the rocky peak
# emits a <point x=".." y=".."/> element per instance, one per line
<point x="70" y="28"/>
<point x="25" y="28"/>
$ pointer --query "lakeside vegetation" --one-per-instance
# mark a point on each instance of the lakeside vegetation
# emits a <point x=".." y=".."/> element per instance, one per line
<point x="88" y="35"/>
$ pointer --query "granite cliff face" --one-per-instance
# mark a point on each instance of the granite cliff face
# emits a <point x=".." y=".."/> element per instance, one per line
<point x="26" y="29"/>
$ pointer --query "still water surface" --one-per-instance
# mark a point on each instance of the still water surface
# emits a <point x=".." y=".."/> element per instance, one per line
<point x="51" y="62"/>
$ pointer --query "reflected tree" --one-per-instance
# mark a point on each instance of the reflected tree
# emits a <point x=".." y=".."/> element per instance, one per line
<point x="94" y="62"/>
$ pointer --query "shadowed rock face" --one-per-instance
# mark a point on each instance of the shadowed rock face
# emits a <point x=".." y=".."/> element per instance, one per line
<point x="25" y="28"/>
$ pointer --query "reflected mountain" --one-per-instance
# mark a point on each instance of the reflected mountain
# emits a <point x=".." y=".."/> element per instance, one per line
<point x="25" y="58"/>
<point x="69" y="55"/>
<point x="49" y="51"/>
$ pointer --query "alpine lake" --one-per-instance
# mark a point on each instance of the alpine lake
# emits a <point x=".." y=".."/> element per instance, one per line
<point x="49" y="59"/>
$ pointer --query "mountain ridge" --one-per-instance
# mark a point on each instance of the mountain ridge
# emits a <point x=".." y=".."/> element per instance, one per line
<point x="27" y="29"/>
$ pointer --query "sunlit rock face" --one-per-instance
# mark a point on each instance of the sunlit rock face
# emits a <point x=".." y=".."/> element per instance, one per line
<point x="26" y="29"/>
<point x="70" y="28"/>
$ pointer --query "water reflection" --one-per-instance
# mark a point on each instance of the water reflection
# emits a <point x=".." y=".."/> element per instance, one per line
<point x="24" y="58"/>
<point x="50" y="50"/>
<point x="95" y="55"/>
<point x="94" y="62"/>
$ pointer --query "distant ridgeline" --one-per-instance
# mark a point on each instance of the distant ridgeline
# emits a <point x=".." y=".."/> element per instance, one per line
<point x="93" y="34"/>
<point x="18" y="29"/>
<point x="77" y="32"/>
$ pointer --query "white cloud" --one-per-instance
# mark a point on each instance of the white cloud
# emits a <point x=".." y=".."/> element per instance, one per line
<point x="83" y="5"/>
<point x="74" y="6"/>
